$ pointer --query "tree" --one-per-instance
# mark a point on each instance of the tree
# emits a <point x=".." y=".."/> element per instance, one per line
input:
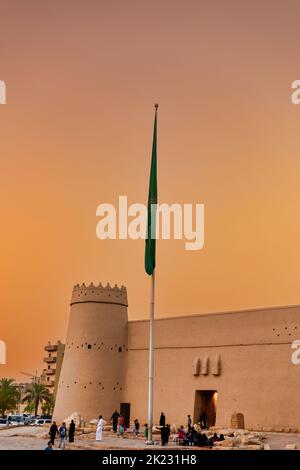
<point x="9" y="395"/>
<point x="48" y="406"/>
<point x="29" y="408"/>
<point x="36" y="393"/>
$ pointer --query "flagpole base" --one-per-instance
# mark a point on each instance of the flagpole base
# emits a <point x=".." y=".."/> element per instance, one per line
<point x="149" y="443"/>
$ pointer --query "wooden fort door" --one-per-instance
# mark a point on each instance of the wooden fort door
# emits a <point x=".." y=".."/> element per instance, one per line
<point x="205" y="400"/>
<point x="125" y="411"/>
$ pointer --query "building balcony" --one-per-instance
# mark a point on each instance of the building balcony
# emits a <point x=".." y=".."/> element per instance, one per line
<point x="50" y="371"/>
<point x="50" y="347"/>
<point x="50" y="360"/>
<point x="50" y="383"/>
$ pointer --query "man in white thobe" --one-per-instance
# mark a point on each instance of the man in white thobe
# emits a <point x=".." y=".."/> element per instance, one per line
<point x="99" y="429"/>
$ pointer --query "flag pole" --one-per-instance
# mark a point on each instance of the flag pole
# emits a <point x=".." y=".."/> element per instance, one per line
<point x="150" y="269"/>
<point x="151" y="361"/>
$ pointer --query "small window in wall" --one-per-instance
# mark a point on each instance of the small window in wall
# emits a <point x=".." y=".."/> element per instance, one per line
<point x="120" y="349"/>
<point x="89" y="346"/>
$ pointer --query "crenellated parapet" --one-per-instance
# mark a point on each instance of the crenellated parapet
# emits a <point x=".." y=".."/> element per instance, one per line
<point x="99" y="294"/>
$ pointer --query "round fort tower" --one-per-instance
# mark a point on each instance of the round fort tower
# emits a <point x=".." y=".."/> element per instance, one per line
<point x="91" y="379"/>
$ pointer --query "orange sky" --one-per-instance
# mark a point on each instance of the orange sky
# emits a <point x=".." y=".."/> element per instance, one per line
<point x="82" y="78"/>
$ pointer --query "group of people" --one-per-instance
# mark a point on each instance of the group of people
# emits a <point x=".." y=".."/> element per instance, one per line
<point x="189" y="436"/>
<point x="165" y="429"/>
<point x="184" y="437"/>
<point x="118" y="423"/>
<point x="62" y="433"/>
<point x="193" y="438"/>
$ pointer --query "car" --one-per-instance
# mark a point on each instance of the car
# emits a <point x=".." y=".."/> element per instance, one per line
<point x="3" y="422"/>
<point x="45" y="417"/>
<point x="39" y="422"/>
<point x="46" y="421"/>
<point x="32" y="422"/>
<point x="16" y="420"/>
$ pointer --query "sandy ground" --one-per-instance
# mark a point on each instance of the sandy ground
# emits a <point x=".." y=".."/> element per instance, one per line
<point x="35" y="438"/>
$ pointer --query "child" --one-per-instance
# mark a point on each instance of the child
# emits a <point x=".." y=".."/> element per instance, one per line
<point x="136" y="427"/>
<point x="146" y="431"/>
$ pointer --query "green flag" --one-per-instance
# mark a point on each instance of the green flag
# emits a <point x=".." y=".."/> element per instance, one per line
<point x="152" y="199"/>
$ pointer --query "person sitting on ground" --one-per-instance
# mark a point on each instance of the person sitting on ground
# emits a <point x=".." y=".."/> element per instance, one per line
<point x="202" y="440"/>
<point x="205" y="439"/>
<point x="181" y="436"/>
<point x="192" y="436"/>
<point x="136" y="427"/>
<point x="213" y="439"/>
<point x="221" y="438"/>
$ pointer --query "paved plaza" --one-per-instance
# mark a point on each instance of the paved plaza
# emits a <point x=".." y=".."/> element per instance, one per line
<point x="34" y="438"/>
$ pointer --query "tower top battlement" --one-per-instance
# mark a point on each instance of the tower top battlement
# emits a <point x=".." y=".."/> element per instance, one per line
<point x="99" y="294"/>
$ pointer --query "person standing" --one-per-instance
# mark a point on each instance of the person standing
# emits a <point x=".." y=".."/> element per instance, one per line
<point x="163" y="435"/>
<point x="167" y="433"/>
<point x="136" y="427"/>
<point x="121" y="425"/>
<point x="53" y="432"/>
<point x="146" y="431"/>
<point x="162" y="419"/>
<point x="63" y="436"/>
<point x="114" y="419"/>
<point x="203" y="420"/>
<point x="189" y="422"/>
<point x="71" y="431"/>
<point x="99" y="429"/>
